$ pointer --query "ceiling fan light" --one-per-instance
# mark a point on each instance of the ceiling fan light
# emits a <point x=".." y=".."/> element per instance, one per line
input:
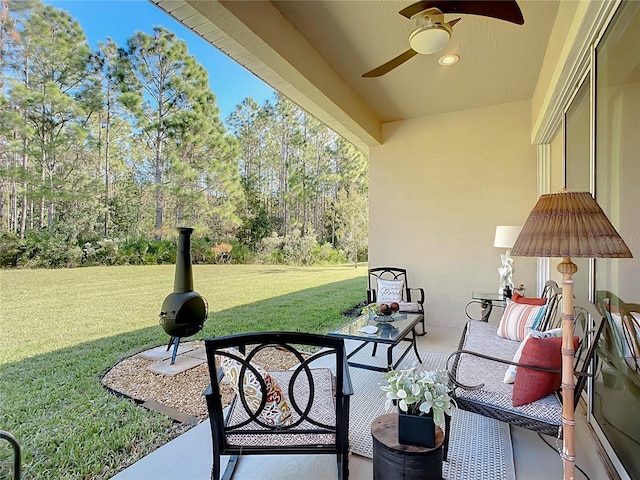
<point x="427" y="39"/>
<point x="448" y="60"/>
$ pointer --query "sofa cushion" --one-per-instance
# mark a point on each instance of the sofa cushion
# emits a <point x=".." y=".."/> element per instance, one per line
<point x="494" y="394"/>
<point x="322" y="411"/>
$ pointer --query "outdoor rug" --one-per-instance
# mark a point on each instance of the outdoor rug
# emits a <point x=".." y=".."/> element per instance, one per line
<point x="479" y="448"/>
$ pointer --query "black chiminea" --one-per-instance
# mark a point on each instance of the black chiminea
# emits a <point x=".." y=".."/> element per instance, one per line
<point x="183" y="311"/>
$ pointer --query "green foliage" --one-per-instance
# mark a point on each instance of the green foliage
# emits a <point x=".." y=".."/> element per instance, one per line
<point x="49" y="249"/>
<point x="241" y="253"/>
<point x="257" y="224"/>
<point x="126" y="143"/>
<point x="54" y="249"/>
<point x="325" y="254"/>
<point x="63" y="329"/>
<point x="352" y="222"/>
<point x="11" y="249"/>
<point x="270" y="249"/>
<point x="297" y="249"/>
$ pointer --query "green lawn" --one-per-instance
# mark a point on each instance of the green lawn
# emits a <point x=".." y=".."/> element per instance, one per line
<point x="60" y="330"/>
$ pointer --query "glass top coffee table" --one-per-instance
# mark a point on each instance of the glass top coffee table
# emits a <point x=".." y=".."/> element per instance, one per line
<point x="400" y="327"/>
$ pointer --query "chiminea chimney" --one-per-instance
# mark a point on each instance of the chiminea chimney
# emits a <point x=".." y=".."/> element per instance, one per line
<point x="183" y="280"/>
<point x="183" y="311"/>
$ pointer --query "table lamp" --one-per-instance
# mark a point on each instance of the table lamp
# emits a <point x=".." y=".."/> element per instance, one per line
<point x="565" y="225"/>
<point x="505" y="238"/>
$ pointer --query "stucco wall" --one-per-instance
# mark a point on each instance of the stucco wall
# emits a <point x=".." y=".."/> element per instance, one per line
<point x="439" y="186"/>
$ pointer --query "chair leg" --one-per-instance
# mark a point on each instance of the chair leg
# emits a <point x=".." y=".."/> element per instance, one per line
<point x="447" y="429"/>
<point x="424" y="328"/>
<point x="215" y="469"/>
<point x="231" y="467"/>
<point x="343" y="466"/>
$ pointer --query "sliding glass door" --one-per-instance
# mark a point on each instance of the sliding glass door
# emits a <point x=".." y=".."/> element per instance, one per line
<point x="616" y="389"/>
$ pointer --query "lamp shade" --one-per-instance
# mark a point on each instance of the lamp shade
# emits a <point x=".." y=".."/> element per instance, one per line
<point x="569" y="224"/>
<point x="506" y="236"/>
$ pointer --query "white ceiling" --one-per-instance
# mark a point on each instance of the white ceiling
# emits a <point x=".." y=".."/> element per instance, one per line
<point x="316" y="51"/>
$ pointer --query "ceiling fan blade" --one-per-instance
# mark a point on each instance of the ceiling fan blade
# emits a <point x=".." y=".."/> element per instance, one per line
<point x="507" y="10"/>
<point x="453" y="22"/>
<point x="391" y="64"/>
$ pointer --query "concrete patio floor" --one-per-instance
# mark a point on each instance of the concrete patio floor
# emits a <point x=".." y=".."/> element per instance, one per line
<point x="188" y="457"/>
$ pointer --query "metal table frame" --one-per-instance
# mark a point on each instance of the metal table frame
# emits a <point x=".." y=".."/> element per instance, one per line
<point x="486" y="303"/>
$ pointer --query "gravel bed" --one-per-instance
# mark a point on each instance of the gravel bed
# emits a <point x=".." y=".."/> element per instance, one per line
<point x="183" y="392"/>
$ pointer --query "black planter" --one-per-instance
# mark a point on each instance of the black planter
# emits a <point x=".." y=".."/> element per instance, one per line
<point x="418" y="430"/>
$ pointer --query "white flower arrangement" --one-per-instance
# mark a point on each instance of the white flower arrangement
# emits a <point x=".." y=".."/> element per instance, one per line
<point x="418" y="392"/>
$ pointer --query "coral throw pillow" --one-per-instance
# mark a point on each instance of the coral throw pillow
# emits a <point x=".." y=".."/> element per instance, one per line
<point x="528" y="300"/>
<point x="532" y="385"/>
<point x="510" y="374"/>
<point x="518" y="319"/>
<point x="276" y="411"/>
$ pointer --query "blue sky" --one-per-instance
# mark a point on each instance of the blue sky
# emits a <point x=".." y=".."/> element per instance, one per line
<point x="120" y="19"/>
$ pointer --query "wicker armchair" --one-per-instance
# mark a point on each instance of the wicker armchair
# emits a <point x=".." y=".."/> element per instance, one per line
<point x="304" y="410"/>
<point x="477" y="369"/>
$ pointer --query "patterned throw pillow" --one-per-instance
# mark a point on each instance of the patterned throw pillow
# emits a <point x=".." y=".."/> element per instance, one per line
<point x="389" y="291"/>
<point x="277" y="411"/>
<point x="518" y="319"/>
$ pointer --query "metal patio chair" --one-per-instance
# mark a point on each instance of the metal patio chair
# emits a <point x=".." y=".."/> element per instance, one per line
<point x="304" y="410"/>
<point x="410" y="299"/>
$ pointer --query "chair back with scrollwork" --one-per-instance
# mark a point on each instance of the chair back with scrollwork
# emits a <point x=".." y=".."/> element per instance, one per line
<point x="302" y="408"/>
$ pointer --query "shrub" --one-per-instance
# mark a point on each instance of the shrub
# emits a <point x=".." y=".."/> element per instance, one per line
<point x="222" y="252"/>
<point x="11" y="249"/>
<point x="326" y="254"/>
<point x="241" y="253"/>
<point x="49" y="249"/>
<point x="270" y="249"/>
<point x="297" y="249"/>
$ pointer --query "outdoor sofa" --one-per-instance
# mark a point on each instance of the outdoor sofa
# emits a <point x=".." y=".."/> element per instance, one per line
<point x="479" y="368"/>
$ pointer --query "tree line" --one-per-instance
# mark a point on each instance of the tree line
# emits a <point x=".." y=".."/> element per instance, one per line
<point x="126" y="143"/>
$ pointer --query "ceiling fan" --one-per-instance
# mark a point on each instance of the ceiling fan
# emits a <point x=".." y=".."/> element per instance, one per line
<point x="432" y="33"/>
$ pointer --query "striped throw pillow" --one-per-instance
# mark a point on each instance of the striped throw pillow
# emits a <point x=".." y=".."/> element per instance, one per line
<point x="518" y="319"/>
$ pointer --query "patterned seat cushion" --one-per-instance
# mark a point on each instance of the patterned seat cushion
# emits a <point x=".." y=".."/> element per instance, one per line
<point x="323" y="411"/>
<point x="482" y="337"/>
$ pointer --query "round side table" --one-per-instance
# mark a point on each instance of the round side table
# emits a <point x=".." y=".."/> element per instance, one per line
<point x="394" y="461"/>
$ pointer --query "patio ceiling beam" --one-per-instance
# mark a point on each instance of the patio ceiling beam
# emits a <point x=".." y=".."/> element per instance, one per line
<point x="258" y="37"/>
